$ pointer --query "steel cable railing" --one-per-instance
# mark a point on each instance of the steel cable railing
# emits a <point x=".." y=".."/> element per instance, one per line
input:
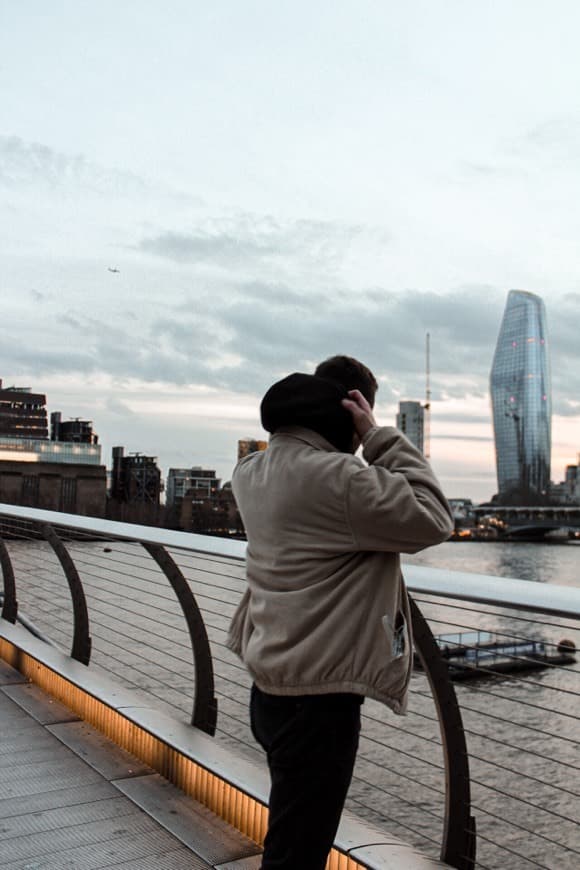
<point x="520" y="751"/>
<point x="543" y="825"/>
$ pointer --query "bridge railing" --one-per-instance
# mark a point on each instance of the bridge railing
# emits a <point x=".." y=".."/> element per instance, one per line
<point x="152" y="607"/>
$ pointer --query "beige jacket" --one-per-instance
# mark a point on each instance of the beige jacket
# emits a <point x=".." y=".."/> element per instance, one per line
<point x="326" y="608"/>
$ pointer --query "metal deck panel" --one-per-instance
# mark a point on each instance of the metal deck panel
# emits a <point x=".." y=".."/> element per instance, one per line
<point x="141" y="850"/>
<point x="9" y="675"/>
<point x="98" y="751"/>
<point x="21" y="740"/>
<point x="181" y="859"/>
<point x="10" y="712"/>
<point x="47" y="776"/>
<point x="25" y="825"/>
<point x="58" y="811"/>
<point x="49" y="800"/>
<point x="208" y="836"/>
<point x="40" y="706"/>
<point x="33" y="755"/>
<point x="100" y="834"/>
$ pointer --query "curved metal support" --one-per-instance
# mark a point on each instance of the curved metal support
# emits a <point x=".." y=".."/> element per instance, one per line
<point x="459" y="842"/>
<point x="10" y="605"/>
<point x="81" y="647"/>
<point x="204" y="715"/>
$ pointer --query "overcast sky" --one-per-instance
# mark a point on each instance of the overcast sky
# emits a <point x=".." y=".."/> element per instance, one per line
<point x="277" y="182"/>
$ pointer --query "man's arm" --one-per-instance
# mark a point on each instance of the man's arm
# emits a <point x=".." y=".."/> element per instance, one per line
<point x="396" y="503"/>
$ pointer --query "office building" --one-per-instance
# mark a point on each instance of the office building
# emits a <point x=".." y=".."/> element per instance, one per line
<point x="567" y="492"/>
<point x="75" y="431"/>
<point x="411" y="421"/>
<point x="522" y="402"/>
<point x="214" y="512"/>
<point x="54" y="486"/>
<point x="136" y="479"/>
<point x="57" y="475"/>
<point x="22" y="413"/>
<point x="181" y="480"/>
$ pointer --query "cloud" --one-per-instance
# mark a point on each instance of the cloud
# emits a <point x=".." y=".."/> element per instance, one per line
<point x="566" y="408"/>
<point x="257" y="242"/>
<point x="37" y="168"/>
<point x="116" y="406"/>
<point x="490" y="171"/>
<point x="551" y="143"/>
<point x="562" y="134"/>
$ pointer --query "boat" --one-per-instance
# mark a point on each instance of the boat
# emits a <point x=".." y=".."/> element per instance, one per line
<point x="471" y="654"/>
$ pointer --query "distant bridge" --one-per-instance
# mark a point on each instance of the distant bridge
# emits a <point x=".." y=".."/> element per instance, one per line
<point x="536" y="521"/>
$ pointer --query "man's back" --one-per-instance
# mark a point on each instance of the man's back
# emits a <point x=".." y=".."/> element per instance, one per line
<point x="324" y="586"/>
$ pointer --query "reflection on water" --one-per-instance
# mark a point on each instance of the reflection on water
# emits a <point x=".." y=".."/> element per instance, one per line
<point x="539" y="562"/>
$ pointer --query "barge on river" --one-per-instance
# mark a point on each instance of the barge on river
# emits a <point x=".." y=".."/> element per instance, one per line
<point x="471" y="654"/>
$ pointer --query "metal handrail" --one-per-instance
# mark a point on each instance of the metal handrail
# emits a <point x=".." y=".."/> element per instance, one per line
<point x="562" y="601"/>
<point x="458" y="841"/>
<point x="458" y="845"/>
<point x="205" y="705"/>
<point x="81" y="646"/>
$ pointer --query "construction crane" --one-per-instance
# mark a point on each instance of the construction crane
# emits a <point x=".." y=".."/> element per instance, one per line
<point x="427" y="405"/>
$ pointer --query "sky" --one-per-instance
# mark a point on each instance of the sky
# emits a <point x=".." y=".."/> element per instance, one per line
<point x="278" y="182"/>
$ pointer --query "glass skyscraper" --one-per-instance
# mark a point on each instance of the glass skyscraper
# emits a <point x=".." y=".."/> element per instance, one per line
<point x="522" y="402"/>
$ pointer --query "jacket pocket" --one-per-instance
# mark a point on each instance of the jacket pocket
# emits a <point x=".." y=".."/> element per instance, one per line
<point x="397" y="635"/>
<point x="235" y="637"/>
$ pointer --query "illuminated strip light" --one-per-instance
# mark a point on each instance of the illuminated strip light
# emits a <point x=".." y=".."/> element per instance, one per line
<point x="18" y="456"/>
<point x="244" y="812"/>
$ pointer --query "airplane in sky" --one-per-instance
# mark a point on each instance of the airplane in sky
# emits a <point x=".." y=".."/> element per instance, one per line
<point x="113" y="270"/>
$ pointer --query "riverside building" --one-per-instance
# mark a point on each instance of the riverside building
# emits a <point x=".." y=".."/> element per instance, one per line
<point x="181" y="480"/>
<point x="54" y="474"/>
<point x="522" y="402"/>
<point x="411" y="422"/>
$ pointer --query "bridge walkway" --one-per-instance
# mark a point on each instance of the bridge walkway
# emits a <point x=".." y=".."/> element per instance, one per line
<point x="70" y="797"/>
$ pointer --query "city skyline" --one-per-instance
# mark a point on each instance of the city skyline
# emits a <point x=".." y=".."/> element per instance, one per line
<point x="197" y="204"/>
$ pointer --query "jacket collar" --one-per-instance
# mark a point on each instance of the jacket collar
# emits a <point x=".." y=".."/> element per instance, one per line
<point x="309" y="436"/>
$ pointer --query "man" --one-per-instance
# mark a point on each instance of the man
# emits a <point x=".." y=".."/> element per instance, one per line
<point x="325" y="618"/>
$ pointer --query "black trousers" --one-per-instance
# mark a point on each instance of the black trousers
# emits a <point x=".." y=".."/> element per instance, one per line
<point x="311" y="743"/>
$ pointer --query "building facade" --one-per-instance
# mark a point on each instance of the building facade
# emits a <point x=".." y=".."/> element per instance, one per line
<point x="135" y="479"/>
<point x="74" y="431"/>
<point x="567" y="492"/>
<point x="180" y="480"/>
<point x="411" y="422"/>
<point x="22" y="413"/>
<point x="54" y="486"/>
<point x="59" y="474"/>
<point x="522" y="402"/>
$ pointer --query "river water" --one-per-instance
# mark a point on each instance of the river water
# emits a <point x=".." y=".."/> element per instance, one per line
<point x="515" y="790"/>
<point x="539" y="562"/>
<point x="522" y="730"/>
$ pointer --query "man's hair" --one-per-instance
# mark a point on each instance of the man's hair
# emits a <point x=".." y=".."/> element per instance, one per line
<point x="351" y="373"/>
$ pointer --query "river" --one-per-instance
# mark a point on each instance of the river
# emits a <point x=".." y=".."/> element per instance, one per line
<point x="539" y="562"/>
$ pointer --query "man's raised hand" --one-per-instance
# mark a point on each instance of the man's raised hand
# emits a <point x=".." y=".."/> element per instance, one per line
<point x="362" y="413"/>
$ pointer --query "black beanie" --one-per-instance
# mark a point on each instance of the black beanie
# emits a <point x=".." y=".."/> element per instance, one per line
<point x="312" y="402"/>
